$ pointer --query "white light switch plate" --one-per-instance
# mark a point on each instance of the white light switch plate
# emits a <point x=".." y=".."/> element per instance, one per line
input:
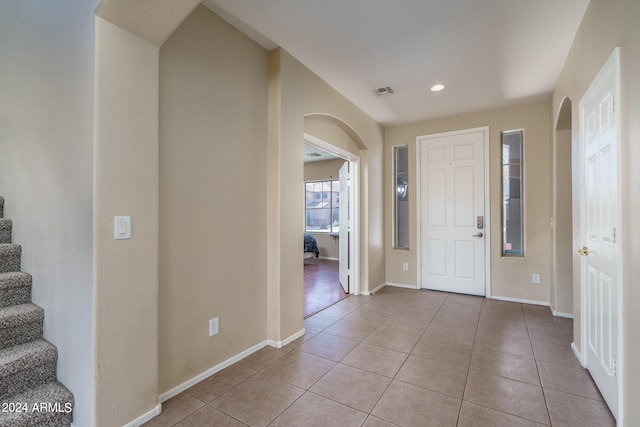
<point x="121" y="227"/>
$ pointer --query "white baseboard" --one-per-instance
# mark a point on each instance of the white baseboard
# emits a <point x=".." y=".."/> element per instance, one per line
<point x="329" y="258"/>
<point x="521" y="301"/>
<point x="373" y="291"/>
<point x="206" y="374"/>
<point x="145" y="417"/>
<point x="577" y="353"/>
<point x="280" y="344"/>
<point x="400" y="285"/>
<point x="561" y="314"/>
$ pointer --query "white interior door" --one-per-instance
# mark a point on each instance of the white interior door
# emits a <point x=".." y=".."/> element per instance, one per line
<point x="452" y="210"/>
<point x="345" y="225"/>
<point x="600" y="214"/>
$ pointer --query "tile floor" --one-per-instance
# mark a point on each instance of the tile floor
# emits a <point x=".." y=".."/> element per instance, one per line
<point x="405" y="358"/>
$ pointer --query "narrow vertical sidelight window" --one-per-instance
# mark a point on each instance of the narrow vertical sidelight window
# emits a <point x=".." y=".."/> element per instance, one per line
<point x="401" y="197"/>
<point x="512" y="186"/>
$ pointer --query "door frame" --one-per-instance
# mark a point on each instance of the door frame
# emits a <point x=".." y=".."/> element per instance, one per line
<point x="612" y="62"/>
<point x="487" y="200"/>
<point x="354" y="234"/>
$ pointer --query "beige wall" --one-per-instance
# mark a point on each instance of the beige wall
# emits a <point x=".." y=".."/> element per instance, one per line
<point x="213" y="145"/>
<point x="295" y="92"/>
<point x="126" y="183"/>
<point x="318" y="171"/>
<point x="510" y="277"/>
<point x="46" y="172"/>
<point x="126" y="273"/>
<point x="606" y="25"/>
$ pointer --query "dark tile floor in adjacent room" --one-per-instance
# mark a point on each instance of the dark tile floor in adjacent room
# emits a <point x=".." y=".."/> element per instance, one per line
<point x="405" y="358"/>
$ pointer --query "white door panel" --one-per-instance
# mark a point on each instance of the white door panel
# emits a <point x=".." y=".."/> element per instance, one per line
<point x="345" y="224"/>
<point x="600" y="260"/>
<point x="452" y="198"/>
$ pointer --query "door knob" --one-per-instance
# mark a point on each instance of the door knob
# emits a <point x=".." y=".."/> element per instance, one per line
<point x="584" y="251"/>
<point x="478" y="235"/>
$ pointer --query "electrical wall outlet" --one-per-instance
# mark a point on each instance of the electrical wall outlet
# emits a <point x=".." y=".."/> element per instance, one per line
<point x="214" y="327"/>
<point x="535" y="279"/>
<point x="405" y="266"/>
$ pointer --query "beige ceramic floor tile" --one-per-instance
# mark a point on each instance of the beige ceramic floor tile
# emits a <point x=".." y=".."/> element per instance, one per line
<point x="312" y="410"/>
<point x="299" y="368"/>
<point x="498" y="326"/>
<point x="258" y="400"/>
<point x="328" y="346"/>
<point x="208" y="417"/>
<point x="263" y="357"/>
<point x="444" y="332"/>
<point x="433" y="375"/>
<point x="352" y="386"/>
<point x="351" y="330"/>
<point x="506" y="365"/>
<point x="519" y="346"/>
<point x="393" y="340"/>
<point x="444" y="351"/>
<point x="378" y="360"/>
<point x="408" y="405"/>
<point x="553" y="353"/>
<point x="400" y="321"/>
<point x="337" y="311"/>
<point x="571" y="380"/>
<point x="416" y="313"/>
<point x="454" y="319"/>
<point x="505" y="395"/>
<point x="478" y="416"/>
<point x="308" y="334"/>
<point x="377" y="422"/>
<point x="318" y="322"/>
<point x="423" y="304"/>
<point x="176" y="409"/>
<point x="568" y="410"/>
<point x="368" y="316"/>
<point x="212" y="387"/>
<point x="459" y="308"/>
<point x="465" y="299"/>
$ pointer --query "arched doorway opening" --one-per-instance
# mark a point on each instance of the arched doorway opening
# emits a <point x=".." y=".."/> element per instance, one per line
<point x="562" y="255"/>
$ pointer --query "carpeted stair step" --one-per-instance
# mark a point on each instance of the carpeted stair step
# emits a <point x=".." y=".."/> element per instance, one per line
<point x="5" y="230"/>
<point x="46" y="405"/>
<point x="25" y="366"/>
<point x="20" y="324"/>
<point x="15" y="288"/>
<point x="10" y="256"/>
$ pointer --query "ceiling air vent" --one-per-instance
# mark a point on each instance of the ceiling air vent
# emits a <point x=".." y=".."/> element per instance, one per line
<point x="384" y="91"/>
<point x="314" y="155"/>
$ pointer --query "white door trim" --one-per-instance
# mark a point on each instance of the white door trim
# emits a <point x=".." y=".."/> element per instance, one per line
<point x="487" y="200"/>
<point x="354" y="176"/>
<point x="611" y="65"/>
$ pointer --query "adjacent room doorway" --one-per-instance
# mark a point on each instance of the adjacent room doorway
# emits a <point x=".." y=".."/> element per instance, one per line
<point x="341" y="270"/>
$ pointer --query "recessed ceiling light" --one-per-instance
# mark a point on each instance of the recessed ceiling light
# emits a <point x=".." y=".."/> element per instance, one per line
<point x="437" y="88"/>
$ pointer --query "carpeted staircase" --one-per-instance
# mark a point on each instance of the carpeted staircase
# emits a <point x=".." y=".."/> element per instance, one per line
<point x="30" y="394"/>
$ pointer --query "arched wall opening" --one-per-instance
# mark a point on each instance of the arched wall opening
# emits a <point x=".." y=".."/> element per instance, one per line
<point x="562" y="253"/>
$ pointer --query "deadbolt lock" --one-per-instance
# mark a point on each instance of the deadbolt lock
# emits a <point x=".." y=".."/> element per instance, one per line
<point x="584" y="251"/>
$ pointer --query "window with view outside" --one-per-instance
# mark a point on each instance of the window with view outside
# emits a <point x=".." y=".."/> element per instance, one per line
<point x="512" y="221"/>
<point x="322" y="203"/>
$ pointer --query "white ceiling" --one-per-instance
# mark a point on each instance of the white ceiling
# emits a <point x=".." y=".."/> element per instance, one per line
<point x="488" y="53"/>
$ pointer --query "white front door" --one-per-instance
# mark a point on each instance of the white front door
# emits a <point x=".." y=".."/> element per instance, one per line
<point x="452" y="211"/>
<point x="601" y="231"/>
<point x="345" y="225"/>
